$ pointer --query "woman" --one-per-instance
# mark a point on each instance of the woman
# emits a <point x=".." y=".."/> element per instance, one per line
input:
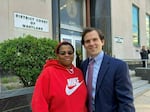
<point x="60" y="86"/>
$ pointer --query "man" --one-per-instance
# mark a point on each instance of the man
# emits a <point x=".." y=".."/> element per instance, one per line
<point x="144" y="55"/>
<point x="111" y="85"/>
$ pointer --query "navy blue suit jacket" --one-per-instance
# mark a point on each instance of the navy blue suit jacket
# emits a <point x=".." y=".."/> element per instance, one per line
<point x="113" y="89"/>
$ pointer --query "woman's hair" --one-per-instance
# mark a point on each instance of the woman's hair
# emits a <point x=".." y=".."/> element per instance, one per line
<point x="63" y="43"/>
<point x="90" y="29"/>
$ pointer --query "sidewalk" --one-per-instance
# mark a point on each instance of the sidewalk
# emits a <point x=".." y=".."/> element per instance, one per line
<point x="142" y="102"/>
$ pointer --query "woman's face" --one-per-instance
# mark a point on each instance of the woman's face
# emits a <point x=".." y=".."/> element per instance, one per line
<point x="65" y="55"/>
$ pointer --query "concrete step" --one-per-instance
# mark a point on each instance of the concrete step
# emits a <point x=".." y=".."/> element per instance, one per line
<point x="140" y="90"/>
<point x="139" y="86"/>
<point x="133" y="79"/>
<point x="139" y="83"/>
<point x="132" y="72"/>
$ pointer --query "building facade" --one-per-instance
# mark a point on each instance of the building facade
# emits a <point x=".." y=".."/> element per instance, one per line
<point x="130" y="24"/>
<point x="19" y="18"/>
<point x="126" y="24"/>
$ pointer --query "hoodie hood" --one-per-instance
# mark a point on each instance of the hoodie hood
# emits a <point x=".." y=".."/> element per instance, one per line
<point x="54" y="63"/>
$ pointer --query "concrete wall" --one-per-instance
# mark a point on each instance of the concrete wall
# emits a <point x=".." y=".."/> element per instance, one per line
<point x="18" y="100"/>
<point x="35" y="8"/>
<point x="144" y="73"/>
<point x="147" y="6"/>
<point x="4" y="18"/>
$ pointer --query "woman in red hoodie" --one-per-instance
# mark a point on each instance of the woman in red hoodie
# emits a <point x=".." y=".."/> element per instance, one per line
<point x="60" y="87"/>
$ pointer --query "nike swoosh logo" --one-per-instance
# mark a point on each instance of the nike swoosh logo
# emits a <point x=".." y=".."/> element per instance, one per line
<point x="72" y="90"/>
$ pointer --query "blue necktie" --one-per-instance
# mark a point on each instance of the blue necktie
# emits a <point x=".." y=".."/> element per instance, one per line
<point x="89" y="83"/>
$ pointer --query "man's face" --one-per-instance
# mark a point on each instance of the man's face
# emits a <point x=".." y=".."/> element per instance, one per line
<point x="93" y="44"/>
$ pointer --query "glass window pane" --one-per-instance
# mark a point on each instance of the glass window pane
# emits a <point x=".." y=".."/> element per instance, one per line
<point x="71" y="12"/>
<point x="148" y="29"/>
<point x="135" y="26"/>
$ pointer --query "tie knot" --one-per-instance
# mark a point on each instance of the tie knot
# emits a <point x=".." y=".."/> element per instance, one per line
<point x="91" y="61"/>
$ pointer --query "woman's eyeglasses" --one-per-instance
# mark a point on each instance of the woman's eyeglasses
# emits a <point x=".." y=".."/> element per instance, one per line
<point x="64" y="52"/>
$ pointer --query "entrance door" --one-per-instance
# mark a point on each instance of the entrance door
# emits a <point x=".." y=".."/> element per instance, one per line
<point x="76" y="42"/>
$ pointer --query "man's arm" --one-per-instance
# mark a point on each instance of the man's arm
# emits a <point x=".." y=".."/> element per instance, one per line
<point x="124" y="90"/>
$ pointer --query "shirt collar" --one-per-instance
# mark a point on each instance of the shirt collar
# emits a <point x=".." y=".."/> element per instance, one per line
<point x="98" y="57"/>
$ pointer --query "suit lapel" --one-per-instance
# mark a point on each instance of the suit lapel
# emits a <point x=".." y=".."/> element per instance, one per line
<point x="102" y="71"/>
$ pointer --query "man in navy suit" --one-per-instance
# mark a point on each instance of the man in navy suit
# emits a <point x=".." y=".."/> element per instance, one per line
<point x="111" y="85"/>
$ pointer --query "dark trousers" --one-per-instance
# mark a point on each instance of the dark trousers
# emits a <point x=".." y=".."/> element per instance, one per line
<point x="143" y="64"/>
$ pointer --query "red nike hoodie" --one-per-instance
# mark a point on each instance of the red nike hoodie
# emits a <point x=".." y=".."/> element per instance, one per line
<point x="59" y="90"/>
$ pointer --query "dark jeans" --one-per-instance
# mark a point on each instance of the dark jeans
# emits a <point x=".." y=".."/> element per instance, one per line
<point x="144" y="62"/>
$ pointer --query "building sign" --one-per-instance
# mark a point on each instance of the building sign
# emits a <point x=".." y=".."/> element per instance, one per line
<point x="118" y="39"/>
<point x="30" y="22"/>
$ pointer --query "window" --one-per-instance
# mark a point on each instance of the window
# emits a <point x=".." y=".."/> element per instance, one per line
<point x="135" y="25"/>
<point x="71" y="12"/>
<point x="148" y="29"/>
